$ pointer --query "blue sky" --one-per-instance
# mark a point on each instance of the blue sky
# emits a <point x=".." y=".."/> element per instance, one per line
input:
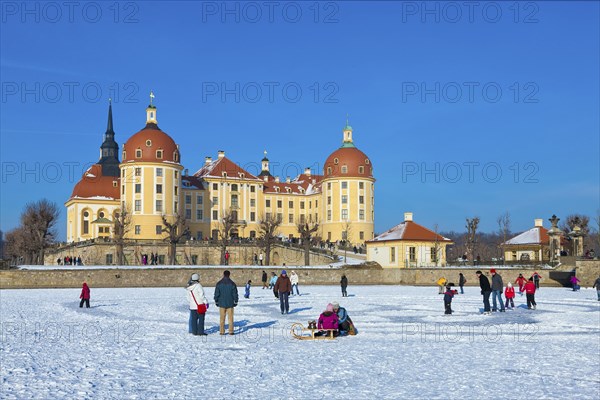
<point x="464" y="108"/>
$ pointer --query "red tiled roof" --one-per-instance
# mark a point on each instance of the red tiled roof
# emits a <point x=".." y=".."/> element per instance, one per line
<point x="216" y="168"/>
<point x="410" y="231"/>
<point x="94" y="184"/>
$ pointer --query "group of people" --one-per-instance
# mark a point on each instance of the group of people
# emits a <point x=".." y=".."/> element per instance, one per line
<point x="68" y="260"/>
<point x="152" y="259"/>
<point x="257" y="259"/>
<point x="497" y="287"/>
<point x="225" y="297"/>
<point x="336" y="321"/>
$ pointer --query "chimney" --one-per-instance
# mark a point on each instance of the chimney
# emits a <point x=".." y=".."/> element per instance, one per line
<point x="207" y="160"/>
<point x="307" y="171"/>
<point x="276" y="179"/>
<point x="221" y="154"/>
<point x="288" y="180"/>
<point x="538" y="222"/>
<point x="408" y="216"/>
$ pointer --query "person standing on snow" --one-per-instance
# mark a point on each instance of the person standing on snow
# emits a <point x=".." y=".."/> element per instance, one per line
<point x="497" y="288"/>
<point x="448" y="295"/>
<point x="344" y="284"/>
<point x="264" y="280"/>
<point x="283" y="287"/>
<point x="536" y="279"/>
<point x="294" y="280"/>
<point x="574" y="283"/>
<point x="195" y="296"/>
<point x="509" y="293"/>
<point x="226" y="298"/>
<point x="597" y="286"/>
<point x="486" y="291"/>
<point x="461" y="282"/>
<point x="530" y="293"/>
<point x="85" y="296"/>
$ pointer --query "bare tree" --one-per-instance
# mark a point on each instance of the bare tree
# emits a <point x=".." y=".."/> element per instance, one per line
<point x="121" y="225"/>
<point x="503" y="230"/>
<point x="38" y="220"/>
<point x="268" y="226"/>
<point x="176" y="229"/>
<point x="226" y="224"/>
<point x="471" y="241"/>
<point x="17" y="248"/>
<point x="306" y="231"/>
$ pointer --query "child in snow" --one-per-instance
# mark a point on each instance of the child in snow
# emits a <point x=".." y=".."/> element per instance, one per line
<point x="448" y="295"/>
<point x="441" y="283"/>
<point x="509" y="293"/>
<point x="574" y="283"/>
<point x="85" y="296"/>
<point x="530" y="293"/>
<point x="521" y="281"/>
<point x="247" y="293"/>
<point x="345" y="324"/>
<point x="328" y="320"/>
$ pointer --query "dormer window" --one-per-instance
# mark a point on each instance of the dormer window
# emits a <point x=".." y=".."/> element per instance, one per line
<point x="159" y="154"/>
<point x="148" y="143"/>
<point x="176" y="156"/>
<point x="367" y="161"/>
<point x="138" y="153"/>
<point x="115" y="184"/>
<point x="344" y="169"/>
<point x="336" y="161"/>
<point x="276" y="189"/>
<point x="328" y="170"/>
<point x="242" y="175"/>
<point x="224" y="174"/>
<point x="361" y="170"/>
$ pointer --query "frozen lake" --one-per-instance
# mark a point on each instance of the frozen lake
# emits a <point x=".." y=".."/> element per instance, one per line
<point x="133" y="344"/>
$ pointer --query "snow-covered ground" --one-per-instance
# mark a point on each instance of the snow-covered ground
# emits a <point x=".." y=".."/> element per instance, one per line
<point x="133" y="344"/>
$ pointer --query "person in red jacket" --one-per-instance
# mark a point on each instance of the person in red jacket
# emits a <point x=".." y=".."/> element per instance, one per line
<point x="530" y="293"/>
<point x="521" y="281"/>
<point x="509" y="293"/>
<point x="85" y="296"/>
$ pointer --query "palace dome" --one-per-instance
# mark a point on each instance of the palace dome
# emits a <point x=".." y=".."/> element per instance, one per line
<point x="348" y="162"/>
<point x="151" y="145"/>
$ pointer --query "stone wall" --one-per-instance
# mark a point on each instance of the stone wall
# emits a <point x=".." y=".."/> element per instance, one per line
<point x="192" y="253"/>
<point x="164" y="277"/>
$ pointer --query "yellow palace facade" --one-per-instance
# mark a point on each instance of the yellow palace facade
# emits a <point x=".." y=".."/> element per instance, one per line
<point x="150" y="182"/>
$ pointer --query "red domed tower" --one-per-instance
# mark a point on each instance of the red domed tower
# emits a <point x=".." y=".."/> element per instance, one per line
<point x="348" y="193"/>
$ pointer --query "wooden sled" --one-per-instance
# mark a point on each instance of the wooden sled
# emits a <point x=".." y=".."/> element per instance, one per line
<point x="300" y="332"/>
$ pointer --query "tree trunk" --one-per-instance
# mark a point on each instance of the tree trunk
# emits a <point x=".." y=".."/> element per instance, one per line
<point x="120" y="255"/>
<point x="268" y="253"/>
<point x="173" y="251"/>
<point x="306" y="252"/>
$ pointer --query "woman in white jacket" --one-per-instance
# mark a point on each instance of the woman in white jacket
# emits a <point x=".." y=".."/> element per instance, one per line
<point x="294" y="281"/>
<point x="195" y="296"/>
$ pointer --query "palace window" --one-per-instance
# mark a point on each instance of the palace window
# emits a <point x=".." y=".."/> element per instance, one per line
<point x="291" y="218"/>
<point x="138" y="205"/>
<point x="158" y="229"/>
<point x="199" y="215"/>
<point x="215" y="186"/>
<point x="302" y="205"/>
<point x="291" y="204"/>
<point x="188" y="199"/>
<point x="344" y="199"/>
<point x="234" y="200"/>
<point x="328" y="215"/>
<point x="361" y="199"/>
<point x="392" y="254"/>
<point x="159" y="172"/>
<point x="361" y="185"/>
<point x="215" y="201"/>
<point x="344" y="214"/>
<point x="215" y="215"/>
<point x="159" y="188"/>
<point x="361" y="235"/>
<point x="361" y="215"/>
<point x="188" y="213"/>
<point x="138" y="171"/>
<point x="252" y="216"/>
<point x="302" y="218"/>
<point x="412" y="254"/>
<point x="252" y="202"/>
<point x="138" y="188"/>
<point x="199" y="199"/>
<point x="268" y="203"/>
<point x="279" y="203"/>
<point x="158" y="205"/>
<point x="344" y="185"/>
<point x="234" y="187"/>
<point x="252" y="189"/>
<point x="138" y="229"/>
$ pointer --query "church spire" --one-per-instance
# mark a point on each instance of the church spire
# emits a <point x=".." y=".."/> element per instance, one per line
<point x="109" y="126"/>
<point x="109" y="150"/>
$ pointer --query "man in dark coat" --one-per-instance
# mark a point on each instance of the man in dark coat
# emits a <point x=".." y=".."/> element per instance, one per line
<point x="497" y="289"/>
<point x="264" y="280"/>
<point x="344" y="284"/>
<point x="486" y="290"/>
<point x="226" y="298"/>
<point x="283" y="287"/>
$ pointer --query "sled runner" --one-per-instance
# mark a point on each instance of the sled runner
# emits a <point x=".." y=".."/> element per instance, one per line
<point x="311" y="333"/>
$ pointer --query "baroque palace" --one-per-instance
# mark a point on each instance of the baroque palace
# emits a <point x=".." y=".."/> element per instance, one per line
<point x="150" y="182"/>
